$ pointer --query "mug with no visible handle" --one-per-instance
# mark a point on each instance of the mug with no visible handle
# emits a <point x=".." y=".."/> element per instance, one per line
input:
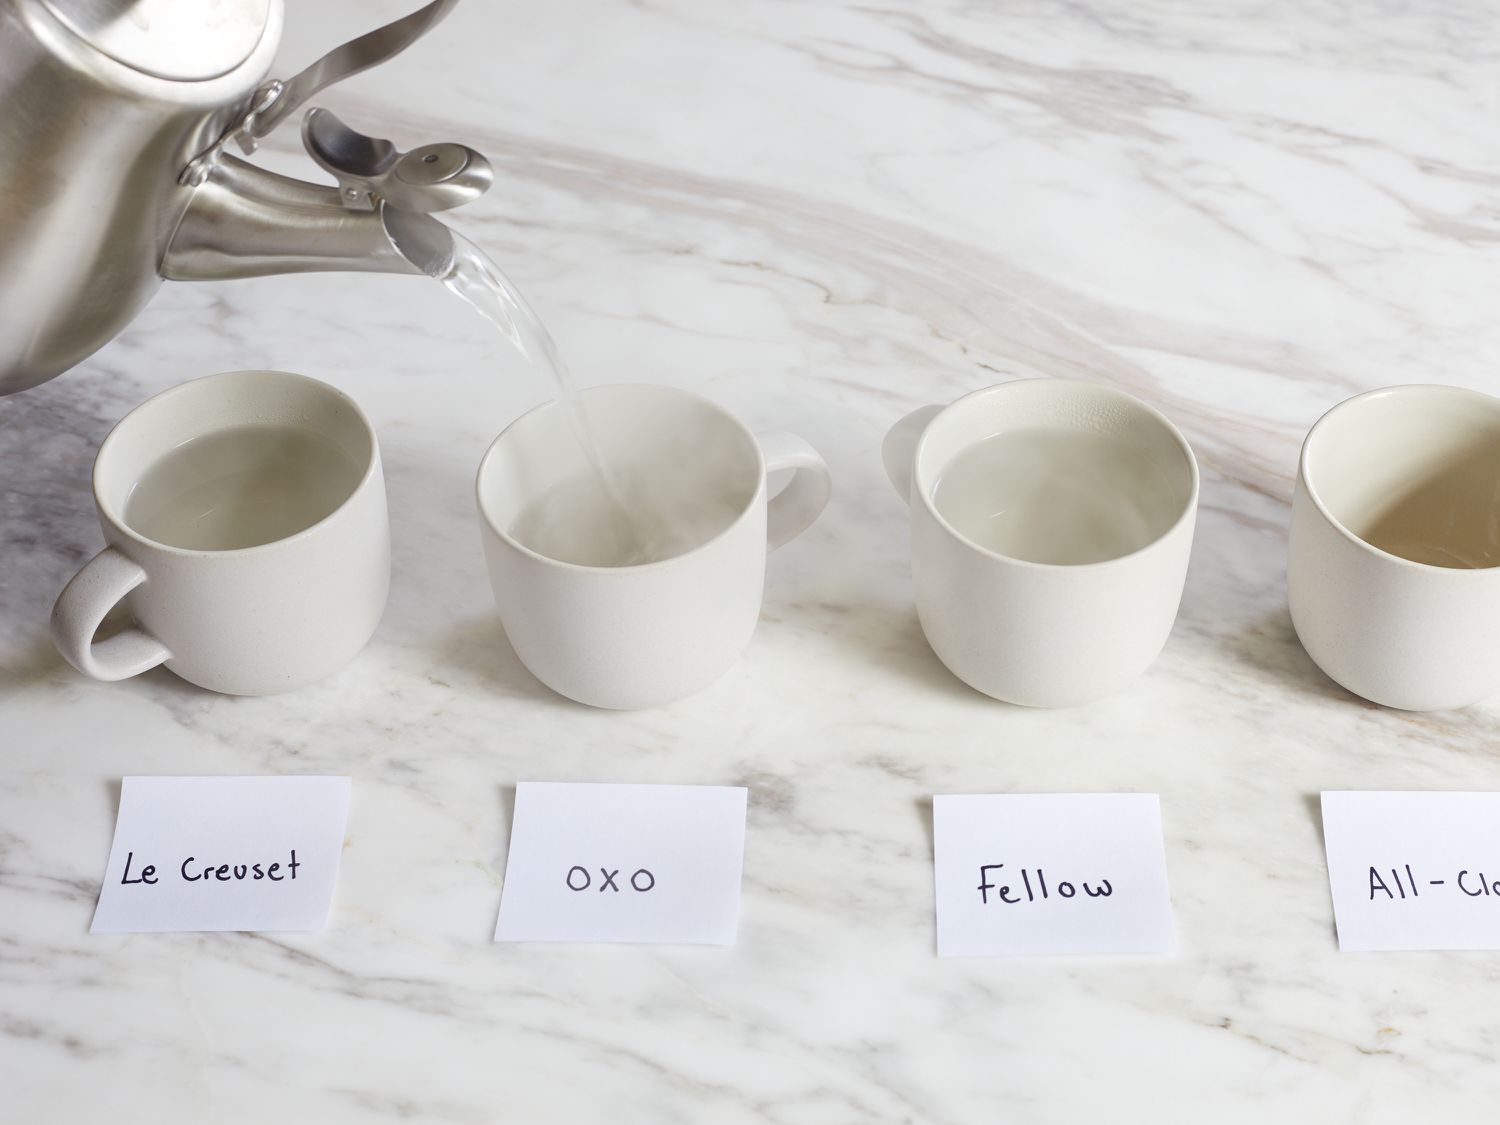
<point x="245" y="522"/>
<point x="641" y="634"/>
<point x="1051" y="523"/>
<point x="1393" y="566"/>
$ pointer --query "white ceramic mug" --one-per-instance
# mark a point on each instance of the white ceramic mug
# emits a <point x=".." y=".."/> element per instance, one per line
<point x="1393" y="570"/>
<point x="640" y="636"/>
<point x="1046" y="634"/>
<point x="248" y="621"/>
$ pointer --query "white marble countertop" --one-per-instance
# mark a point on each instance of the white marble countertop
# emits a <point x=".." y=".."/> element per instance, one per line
<point x="821" y="215"/>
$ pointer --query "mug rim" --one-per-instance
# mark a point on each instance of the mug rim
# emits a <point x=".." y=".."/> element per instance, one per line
<point x="633" y="568"/>
<point x="155" y="402"/>
<point x="1189" y="507"/>
<point x="1304" y="473"/>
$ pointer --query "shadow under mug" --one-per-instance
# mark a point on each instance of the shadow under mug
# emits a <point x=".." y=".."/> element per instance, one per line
<point x="1393" y="565"/>
<point x="635" y="636"/>
<point x="246" y="621"/>
<point x="1046" y="634"/>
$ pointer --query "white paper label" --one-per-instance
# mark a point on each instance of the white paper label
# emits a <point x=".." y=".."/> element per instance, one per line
<point x="624" y="863"/>
<point x="1414" y="870"/>
<point x="1051" y="874"/>
<point x="223" y="853"/>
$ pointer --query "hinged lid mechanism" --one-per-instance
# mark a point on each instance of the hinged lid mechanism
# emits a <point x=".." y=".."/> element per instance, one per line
<point x="180" y="40"/>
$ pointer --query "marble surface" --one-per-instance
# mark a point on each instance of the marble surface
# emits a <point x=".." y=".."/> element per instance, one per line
<point x="821" y="215"/>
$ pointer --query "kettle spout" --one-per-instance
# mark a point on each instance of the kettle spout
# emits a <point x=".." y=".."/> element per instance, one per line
<point x="244" y="221"/>
<point x="426" y="244"/>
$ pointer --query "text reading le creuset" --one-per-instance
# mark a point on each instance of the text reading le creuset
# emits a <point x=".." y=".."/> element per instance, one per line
<point x="1034" y="887"/>
<point x="192" y="870"/>
<point x="1403" y="884"/>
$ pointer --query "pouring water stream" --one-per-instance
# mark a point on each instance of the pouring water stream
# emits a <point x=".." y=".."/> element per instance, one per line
<point x="623" y="530"/>
<point x="477" y="281"/>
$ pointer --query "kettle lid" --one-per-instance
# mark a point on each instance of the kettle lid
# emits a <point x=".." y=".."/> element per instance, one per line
<point x="181" y="40"/>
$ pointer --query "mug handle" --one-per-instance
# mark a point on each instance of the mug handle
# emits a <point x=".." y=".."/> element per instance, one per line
<point x="793" y="510"/>
<point x="92" y="593"/>
<point x="899" y="450"/>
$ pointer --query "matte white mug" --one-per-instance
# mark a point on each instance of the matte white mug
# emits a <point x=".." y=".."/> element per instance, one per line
<point x="1044" y="634"/>
<point x="629" y="637"/>
<point x="248" y="621"/>
<point x="1393" y="571"/>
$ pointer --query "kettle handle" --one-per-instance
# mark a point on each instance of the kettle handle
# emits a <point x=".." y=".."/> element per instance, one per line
<point x="370" y="49"/>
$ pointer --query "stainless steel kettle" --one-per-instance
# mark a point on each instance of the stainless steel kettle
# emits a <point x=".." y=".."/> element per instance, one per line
<point x="115" y="120"/>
